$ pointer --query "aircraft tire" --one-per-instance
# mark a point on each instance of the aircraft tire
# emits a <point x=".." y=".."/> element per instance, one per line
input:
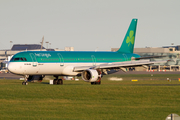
<point x="60" y="82"/>
<point x="55" y="81"/>
<point x="96" y="83"/>
<point x="24" y="83"/>
<point x="93" y="83"/>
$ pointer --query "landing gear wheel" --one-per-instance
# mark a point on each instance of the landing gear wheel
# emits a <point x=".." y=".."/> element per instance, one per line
<point x="60" y="82"/>
<point x="92" y="83"/>
<point x="55" y="81"/>
<point x="24" y="83"/>
<point x="96" y="83"/>
<point x="25" y="80"/>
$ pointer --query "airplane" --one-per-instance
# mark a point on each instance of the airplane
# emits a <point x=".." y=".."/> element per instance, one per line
<point x="90" y="65"/>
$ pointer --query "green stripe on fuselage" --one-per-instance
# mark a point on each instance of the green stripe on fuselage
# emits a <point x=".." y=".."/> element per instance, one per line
<point x="72" y="57"/>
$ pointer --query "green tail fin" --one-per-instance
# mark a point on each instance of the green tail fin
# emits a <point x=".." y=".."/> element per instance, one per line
<point x="128" y="42"/>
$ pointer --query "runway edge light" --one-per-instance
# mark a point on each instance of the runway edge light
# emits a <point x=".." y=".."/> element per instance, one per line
<point x="134" y="80"/>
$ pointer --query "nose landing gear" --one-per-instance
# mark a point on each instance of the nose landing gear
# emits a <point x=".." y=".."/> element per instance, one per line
<point x="25" y="80"/>
<point x="24" y="83"/>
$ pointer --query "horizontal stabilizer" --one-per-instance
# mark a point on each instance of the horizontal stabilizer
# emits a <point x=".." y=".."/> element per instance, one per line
<point x="150" y="57"/>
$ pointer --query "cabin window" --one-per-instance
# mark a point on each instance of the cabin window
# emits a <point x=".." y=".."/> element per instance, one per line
<point x="171" y="49"/>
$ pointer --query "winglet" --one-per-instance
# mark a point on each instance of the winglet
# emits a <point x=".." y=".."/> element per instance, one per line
<point x="129" y="40"/>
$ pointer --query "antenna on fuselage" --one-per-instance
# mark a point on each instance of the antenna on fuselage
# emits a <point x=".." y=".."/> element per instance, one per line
<point x="42" y="42"/>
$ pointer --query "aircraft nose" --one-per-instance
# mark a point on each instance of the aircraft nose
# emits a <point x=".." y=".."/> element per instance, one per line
<point x="15" y="68"/>
<point x="11" y="68"/>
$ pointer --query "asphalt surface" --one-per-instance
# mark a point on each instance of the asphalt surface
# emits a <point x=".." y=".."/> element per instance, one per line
<point x="145" y="72"/>
<point x="13" y="76"/>
<point x="9" y="76"/>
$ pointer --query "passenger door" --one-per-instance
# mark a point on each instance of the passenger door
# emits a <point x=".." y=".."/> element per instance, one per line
<point x="125" y="57"/>
<point x="34" y="60"/>
<point x="61" y="59"/>
<point x="93" y="60"/>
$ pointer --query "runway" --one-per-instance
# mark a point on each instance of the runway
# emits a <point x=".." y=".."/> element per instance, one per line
<point x="13" y="76"/>
<point x="145" y="72"/>
<point x="9" y="76"/>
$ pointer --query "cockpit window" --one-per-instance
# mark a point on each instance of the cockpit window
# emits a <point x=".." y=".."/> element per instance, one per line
<point x="16" y="59"/>
<point x="20" y="59"/>
<point x="25" y="59"/>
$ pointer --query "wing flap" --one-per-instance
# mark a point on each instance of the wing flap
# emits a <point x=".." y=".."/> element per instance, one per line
<point x="81" y="68"/>
<point x="129" y="64"/>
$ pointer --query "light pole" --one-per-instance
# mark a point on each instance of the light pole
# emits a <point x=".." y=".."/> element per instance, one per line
<point x="11" y="43"/>
<point x="47" y="44"/>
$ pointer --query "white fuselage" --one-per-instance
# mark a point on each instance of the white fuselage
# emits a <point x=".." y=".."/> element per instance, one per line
<point x="34" y="68"/>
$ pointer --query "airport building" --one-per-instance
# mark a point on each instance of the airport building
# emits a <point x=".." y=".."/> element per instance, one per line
<point x="171" y="53"/>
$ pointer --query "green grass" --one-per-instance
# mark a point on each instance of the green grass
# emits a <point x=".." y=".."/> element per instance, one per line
<point x="152" y="97"/>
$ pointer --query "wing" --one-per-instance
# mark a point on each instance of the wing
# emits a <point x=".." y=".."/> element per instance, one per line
<point x="118" y="65"/>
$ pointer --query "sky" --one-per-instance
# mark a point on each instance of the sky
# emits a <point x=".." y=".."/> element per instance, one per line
<point x="88" y="24"/>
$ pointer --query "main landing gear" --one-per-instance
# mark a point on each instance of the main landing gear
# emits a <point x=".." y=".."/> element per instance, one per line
<point x="96" y="83"/>
<point x="57" y="81"/>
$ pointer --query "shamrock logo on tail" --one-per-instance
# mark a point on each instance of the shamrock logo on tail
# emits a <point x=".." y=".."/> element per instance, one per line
<point x="130" y="38"/>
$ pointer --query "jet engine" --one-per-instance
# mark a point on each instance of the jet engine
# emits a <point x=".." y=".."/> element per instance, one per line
<point x="91" y="75"/>
<point x="35" y="78"/>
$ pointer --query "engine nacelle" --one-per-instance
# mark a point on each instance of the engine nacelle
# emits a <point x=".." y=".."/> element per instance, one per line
<point x="35" y="78"/>
<point x="91" y="75"/>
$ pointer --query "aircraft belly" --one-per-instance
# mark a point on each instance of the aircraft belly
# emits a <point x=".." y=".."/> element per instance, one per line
<point x="42" y="69"/>
<point x="50" y="69"/>
<point x="30" y="70"/>
<point x="53" y="69"/>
